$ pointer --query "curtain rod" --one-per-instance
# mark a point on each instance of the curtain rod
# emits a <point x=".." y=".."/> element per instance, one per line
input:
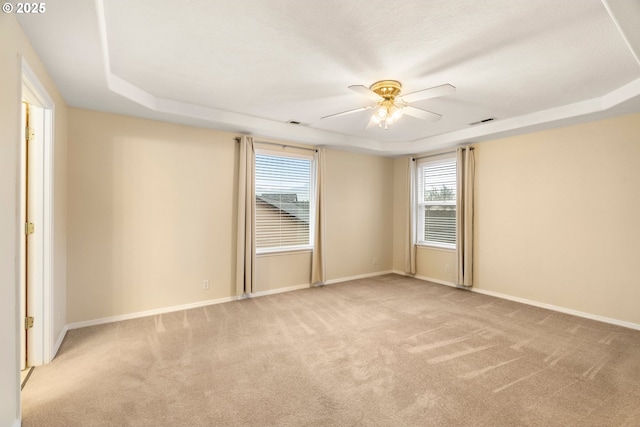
<point x="237" y="139"/>
<point x="438" y="154"/>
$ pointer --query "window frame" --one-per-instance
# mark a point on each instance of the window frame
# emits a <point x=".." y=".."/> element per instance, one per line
<point x="420" y="203"/>
<point x="294" y="153"/>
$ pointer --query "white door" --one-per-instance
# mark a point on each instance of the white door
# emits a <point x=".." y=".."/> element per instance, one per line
<point x="37" y="248"/>
<point x="32" y="241"/>
<point x="23" y="239"/>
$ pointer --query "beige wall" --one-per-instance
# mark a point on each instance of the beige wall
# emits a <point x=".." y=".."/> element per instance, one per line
<point x="13" y="46"/>
<point x="557" y="217"/>
<point x="436" y="264"/>
<point x="282" y="270"/>
<point x="359" y="214"/>
<point x="153" y="211"/>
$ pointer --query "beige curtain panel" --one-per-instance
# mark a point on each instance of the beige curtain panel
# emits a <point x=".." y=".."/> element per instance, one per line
<point x="318" y="258"/>
<point x="410" y="220"/>
<point x="246" y="253"/>
<point x="464" y="219"/>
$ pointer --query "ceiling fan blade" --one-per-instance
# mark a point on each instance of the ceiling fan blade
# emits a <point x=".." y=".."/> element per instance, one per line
<point x="344" y="113"/>
<point x="422" y="114"/>
<point x="363" y="90"/>
<point x="370" y="125"/>
<point x="432" y="92"/>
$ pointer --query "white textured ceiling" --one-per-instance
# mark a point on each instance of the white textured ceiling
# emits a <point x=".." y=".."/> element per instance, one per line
<point x="250" y="66"/>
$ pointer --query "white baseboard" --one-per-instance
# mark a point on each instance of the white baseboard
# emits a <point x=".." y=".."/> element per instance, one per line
<point x="172" y="309"/>
<point x="279" y="290"/>
<point x="359" y="276"/>
<point x="438" y="281"/>
<point x="426" y="279"/>
<point x="330" y="282"/>
<point x="533" y="303"/>
<point x="559" y="309"/>
<point x="147" y="313"/>
<point x="58" y="343"/>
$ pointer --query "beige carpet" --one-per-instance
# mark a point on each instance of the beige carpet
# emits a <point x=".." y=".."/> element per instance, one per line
<point x="386" y="351"/>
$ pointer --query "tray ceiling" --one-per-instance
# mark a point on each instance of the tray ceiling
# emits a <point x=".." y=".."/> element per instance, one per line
<point x="252" y="66"/>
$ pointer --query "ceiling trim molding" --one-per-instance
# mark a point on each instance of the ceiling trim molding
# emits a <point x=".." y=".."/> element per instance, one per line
<point x="245" y="124"/>
<point x="528" y="122"/>
<point x="625" y="15"/>
<point x="224" y="120"/>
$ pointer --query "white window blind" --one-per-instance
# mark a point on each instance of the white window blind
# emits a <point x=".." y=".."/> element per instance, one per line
<point x="283" y="199"/>
<point x="437" y="203"/>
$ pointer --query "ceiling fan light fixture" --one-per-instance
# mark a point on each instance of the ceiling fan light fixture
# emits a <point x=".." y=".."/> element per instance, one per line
<point x="381" y="113"/>
<point x="396" y="113"/>
<point x="387" y="110"/>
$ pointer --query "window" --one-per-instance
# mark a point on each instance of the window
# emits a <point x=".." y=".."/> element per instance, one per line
<point x="437" y="203"/>
<point x="283" y="185"/>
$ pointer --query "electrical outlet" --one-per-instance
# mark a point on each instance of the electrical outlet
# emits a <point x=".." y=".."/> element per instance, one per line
<point x="448" y="268"/>
<point x="376" y="260"/>
<point x="205" y="284"/>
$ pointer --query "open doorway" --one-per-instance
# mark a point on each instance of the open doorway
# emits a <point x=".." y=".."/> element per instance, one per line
<point x="36" y="218"/>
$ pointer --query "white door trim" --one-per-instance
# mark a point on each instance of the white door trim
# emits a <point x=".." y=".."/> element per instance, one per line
<point x="42" y="334"/>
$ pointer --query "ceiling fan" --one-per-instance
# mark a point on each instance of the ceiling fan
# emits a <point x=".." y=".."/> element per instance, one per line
<point x="390" y="106"/>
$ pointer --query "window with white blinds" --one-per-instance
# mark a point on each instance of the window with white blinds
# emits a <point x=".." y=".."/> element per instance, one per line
<point x="283" y="185"/>
<point x="437" y="203"/>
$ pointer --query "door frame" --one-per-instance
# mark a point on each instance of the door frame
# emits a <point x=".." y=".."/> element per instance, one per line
<point x="41" y="335"/>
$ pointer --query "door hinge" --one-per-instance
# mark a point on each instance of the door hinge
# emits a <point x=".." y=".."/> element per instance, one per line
<point x="30" y="133"/>
<point x="28" y="322"/>
<point x="29" y="228"/>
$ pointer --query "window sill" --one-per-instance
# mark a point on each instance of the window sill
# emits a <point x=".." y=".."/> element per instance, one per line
<point x="283" y="251"/>
<point x="436" y="247"/>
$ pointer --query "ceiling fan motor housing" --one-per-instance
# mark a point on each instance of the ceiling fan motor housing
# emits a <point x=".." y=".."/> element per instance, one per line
<point x="388" y="89"/>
